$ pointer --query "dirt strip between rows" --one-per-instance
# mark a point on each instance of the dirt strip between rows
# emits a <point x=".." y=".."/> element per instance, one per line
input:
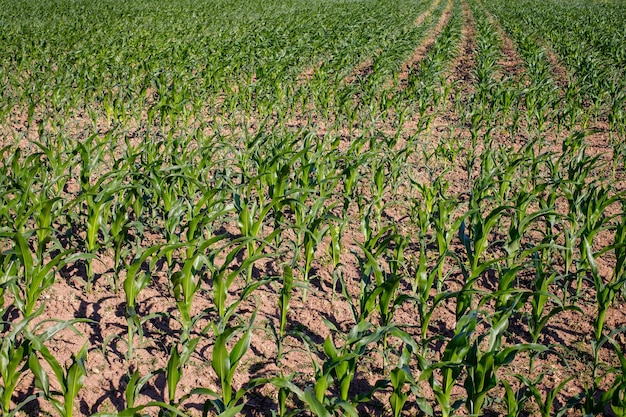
<point x="365" y="68"/>
<point x="422" y="49"/>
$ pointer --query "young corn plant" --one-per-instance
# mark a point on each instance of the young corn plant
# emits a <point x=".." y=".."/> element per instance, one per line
<point x="400" y="376"/>
<point x="98" y="200"/>
<point x="617" y="393"/>
<point x="283" y="308"/>
<point x="310" y="226"/>
<point x="91" y="154"/>
<point x="546" y="405"/>
<point x="606" y="294"/>
<point x="306" y="396"/>
<point x="33" y="276"/>
<point x="426" y="304"/>
<point x="476" y="243"/>
<point x="371" y="289"/>
<point x="57" y="162"/>
<point x="594" y="205"/>
<point x="70" y="380"/>
<point x="225" y="274"/>
<point x="136" y="280"/>
<point x="119" y="232"/>
<point x="45" y="212"/>
<point x="15" y="350"/>
<point x="135" y="384"/>
<point x="378" y="188"/>
<point x="451" y="364"/>
<point x="224" y="363"/>
<point x="20" y="350"/>
<point x="594" y="400"/>
<point x="619" y="249"/>
<point x="482" y="366"/>
<point x="173" y="375"/>
<point x="250" y="221"/>
<point x="514" y="399"/>
<point x="186" y="283"/>
<point x="8" y="274"/>
<point x="335" y="228"/>
<point x="544" y="304"/>
<point x="340" y="367"/>
<point x="383" y="295"/>
<point x="445" y="227"/>
<point x="522" y="222"/>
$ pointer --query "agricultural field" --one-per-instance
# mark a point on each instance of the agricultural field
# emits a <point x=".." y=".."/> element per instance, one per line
<point x="313" y="208"/>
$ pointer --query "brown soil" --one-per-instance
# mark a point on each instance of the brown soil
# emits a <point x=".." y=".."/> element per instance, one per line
<point x="422" y="17"/>
<point x="559" y="71"/>
<point x="511" y="62"/>
<point x="365" y="68"/>
<point x="305" y="76"/>
<point x="362" y="70"/>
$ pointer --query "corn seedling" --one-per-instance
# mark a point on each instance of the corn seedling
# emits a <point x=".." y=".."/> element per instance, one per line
<point x="70" y="380"/>
<point x="451" y="364"/>
<point x="225" y="363"/>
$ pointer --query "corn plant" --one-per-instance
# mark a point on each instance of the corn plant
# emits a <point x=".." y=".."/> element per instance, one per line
<point x="306" y="396"/>
<point x="186" y="283"/>
<point x="606" y="294"/>
<point x="57" y="162"/>
<point x="482" y="366"/>
<point x="70" y="380"/>
<point x="400" y="376"/>
<point x="373" y="291"/>
<point x="283" y="308"/>
<point x="451" y="364"/>
<point x="134" y="283"/>
<point x="119" y="234"/>
<point x="174" y="372"/>
<point x="593" y="400"/>
<point x="617" y="393"/>
<point x="445" y="228"/>
<point x="514" y="399"/>
<point x="98" y="200"/>
<point x="222" y="277"/>
<point x="135" y="384"/>
<point x="250" y="221"/>
<point x="339" y="369"/>
<point x="14" y="353"/>
<point x="385" y="285"/>
<point x="33" y="276"/>
<point x="19" y="353"/>
<point x="224" y="363"/>
<point x="8" y="277"/>
<point x="90" y="153"/>
<point x="334" y="249"/>
<point x="544" y="304"/>
<point x="46" y="211"/>
<point x="546" y="405"/>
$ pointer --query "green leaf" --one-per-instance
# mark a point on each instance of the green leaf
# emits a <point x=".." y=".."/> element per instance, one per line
<point x="173" y="373"/>
<point x="506" y="355"/>
<point x="240" y="347"/>
<point x="41" y="376"/>
<point x="315" y="405"/>
<point x="220" y="360"/>
<point x="75" y="379"/>
<point x="231" y="411"/>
